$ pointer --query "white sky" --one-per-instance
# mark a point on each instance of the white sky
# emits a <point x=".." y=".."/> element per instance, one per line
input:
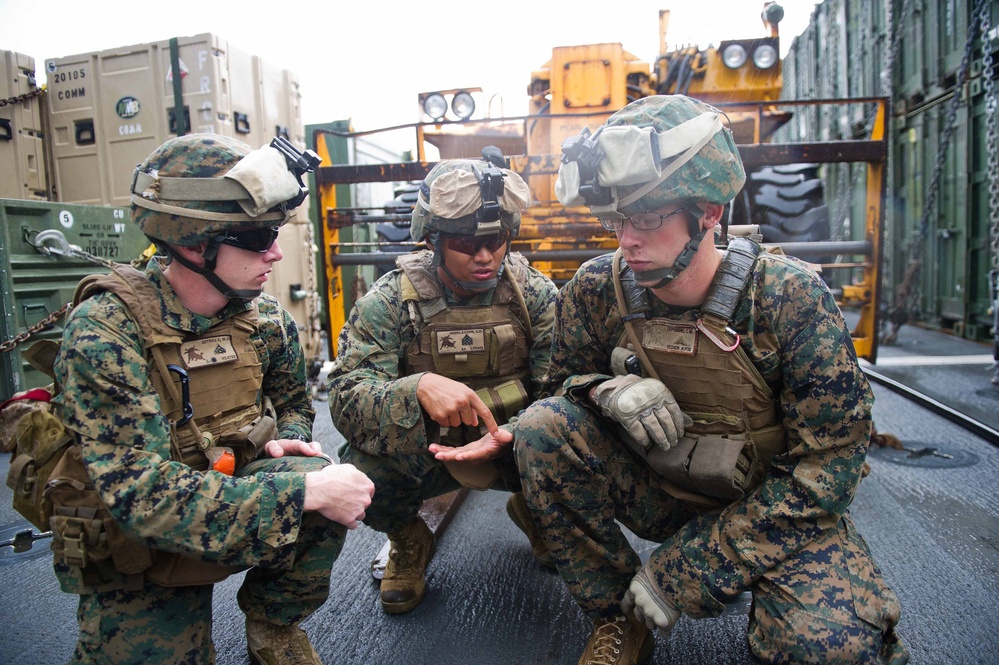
<point x="366" y="60"/>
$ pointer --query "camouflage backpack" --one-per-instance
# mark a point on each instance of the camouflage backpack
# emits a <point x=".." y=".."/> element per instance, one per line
<point x="37" y="442"/>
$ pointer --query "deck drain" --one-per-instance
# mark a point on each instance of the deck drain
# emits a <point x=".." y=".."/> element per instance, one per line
<point x="9" y="557"/>
<point x="926" y="455"/>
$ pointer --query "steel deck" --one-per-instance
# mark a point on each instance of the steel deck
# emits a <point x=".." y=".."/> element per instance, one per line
<point x="932" y="523"/>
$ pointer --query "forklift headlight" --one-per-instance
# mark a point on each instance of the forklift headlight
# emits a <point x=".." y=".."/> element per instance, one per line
<point x="463" y="105"/>
<point x="435" y="106"/>
<point x="734" y="56"/>
<point x="764" y="56"/>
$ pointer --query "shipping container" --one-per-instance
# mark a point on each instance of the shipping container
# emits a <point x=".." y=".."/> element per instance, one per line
<point x="35" y="284"/>
<point x="108" y="110"/>
<point x="912" y="51"/>
<point x="22" y="136"/>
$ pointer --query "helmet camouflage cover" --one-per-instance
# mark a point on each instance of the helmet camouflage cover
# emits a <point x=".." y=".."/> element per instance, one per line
<point x="715" y="174"/>
<point x="656" y="151"/>
<point x="206" y="156"/>
<point x="451" y="195"/>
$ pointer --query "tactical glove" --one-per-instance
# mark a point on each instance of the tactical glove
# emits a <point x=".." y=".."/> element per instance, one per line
<point x="644" y="407"/>
<point x="650" y="608"/>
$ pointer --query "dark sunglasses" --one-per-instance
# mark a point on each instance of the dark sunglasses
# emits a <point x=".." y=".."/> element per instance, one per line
<point x="471" y="245"/>
<point x="252" y="240"/>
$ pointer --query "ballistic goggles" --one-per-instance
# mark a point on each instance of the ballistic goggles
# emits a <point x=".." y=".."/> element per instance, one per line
<point x="472" y="245"/>
<point x="257" y="240"/>
<point x="595" y="166"/>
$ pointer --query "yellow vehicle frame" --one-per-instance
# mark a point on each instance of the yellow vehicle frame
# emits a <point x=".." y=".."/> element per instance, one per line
<point x="556" y="239"/>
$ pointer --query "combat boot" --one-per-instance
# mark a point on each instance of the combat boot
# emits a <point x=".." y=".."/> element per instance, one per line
<point x="403" y="583"/>
<point x="619" y="641"/>
<point x="516" y="508"/>
<point x="271" y="644"/>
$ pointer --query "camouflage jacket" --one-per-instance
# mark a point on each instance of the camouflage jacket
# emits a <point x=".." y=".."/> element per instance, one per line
<point x="107" y="400"/>
<point x="822" y="393"/>
<point x="376" y="408"/>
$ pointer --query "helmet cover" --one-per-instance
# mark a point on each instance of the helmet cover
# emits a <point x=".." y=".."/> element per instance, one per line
<point x="452" y="194"/>
<point x="192" y="156"/>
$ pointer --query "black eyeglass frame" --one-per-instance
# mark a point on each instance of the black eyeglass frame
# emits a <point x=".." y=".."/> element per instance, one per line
<point x="617" y="223"/>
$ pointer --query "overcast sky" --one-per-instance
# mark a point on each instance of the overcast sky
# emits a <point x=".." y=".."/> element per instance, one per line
<point x="366" y="60"/>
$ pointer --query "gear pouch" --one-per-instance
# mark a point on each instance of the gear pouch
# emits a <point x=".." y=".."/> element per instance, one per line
<point x="171" y="569"/>
<point x="711" y="465"/>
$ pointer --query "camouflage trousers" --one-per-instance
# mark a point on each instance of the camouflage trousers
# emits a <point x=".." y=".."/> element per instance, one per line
<point x="826" y="603"/>
<point x="404" y="482"/>
<point x="158" y="624"/>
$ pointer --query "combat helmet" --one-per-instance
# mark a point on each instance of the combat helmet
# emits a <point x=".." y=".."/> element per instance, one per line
<point x="656" y="151"/>
<point x="478" y="197"/>
<point x="202" y="187"/>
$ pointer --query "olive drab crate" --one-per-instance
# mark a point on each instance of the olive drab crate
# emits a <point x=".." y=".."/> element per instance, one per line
<point x="914" y="51"/>
<point x="35" y="285"/>
<point x="22" y="153"/>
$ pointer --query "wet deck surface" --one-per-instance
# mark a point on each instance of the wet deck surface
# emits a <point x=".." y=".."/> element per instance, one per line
<point x="932" y="523"/>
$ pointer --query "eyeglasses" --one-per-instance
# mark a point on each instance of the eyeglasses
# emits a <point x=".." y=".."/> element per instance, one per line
<point x="472" y="245"/>
<point x="253" y="240"/>
<point x="647" y="221"/>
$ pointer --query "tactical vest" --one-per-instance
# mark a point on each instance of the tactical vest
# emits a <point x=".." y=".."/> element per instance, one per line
<point x="483" y="346"/>
<point x="480" y="345"/>
<point x="212" y="410"/>
<point x="737" y="422"/>
<point x="208" y="384"/>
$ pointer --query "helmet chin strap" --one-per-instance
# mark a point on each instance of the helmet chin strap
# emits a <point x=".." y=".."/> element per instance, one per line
<point x="210" y="256"/>
<point x="663" y="276"/>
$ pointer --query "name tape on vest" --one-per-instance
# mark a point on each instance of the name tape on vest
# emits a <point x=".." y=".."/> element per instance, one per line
<point x="670" y="337"/>
<point x="470" y="340"/>
<point x="208" y="351"/>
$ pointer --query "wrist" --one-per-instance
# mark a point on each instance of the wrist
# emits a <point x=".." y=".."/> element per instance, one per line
<point x="309" y="502"/>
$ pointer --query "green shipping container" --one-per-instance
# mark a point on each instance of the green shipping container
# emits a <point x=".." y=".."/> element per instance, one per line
<point x="35" y="285"/>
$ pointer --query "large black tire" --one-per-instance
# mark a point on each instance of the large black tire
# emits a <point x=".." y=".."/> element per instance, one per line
<point x="403" y="204"/>
<point x="788" y="204"/>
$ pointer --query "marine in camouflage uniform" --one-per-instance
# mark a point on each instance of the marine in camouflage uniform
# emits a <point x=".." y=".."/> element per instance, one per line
<point x="392" y="342"/>
<point x="255" y="518"/>
<point x="780" y="528"/>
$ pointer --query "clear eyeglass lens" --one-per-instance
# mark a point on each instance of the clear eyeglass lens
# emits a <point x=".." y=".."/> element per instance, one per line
<point x="648" y="221"/>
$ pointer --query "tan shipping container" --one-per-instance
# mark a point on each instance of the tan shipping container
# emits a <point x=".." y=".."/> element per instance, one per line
<point x="109" y="109"/>
<point x="22" y="152"/>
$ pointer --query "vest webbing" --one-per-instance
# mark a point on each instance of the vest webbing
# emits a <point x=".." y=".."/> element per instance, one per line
<point x="703" y="364"/>
<point x="480" y="345"/>
<point x="223" y="394"/>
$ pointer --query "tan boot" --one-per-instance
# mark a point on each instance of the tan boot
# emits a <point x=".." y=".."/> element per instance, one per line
<point x="403" y="584"/>
<point x="618" y="641"/>
<point x="271" y="644"/>
<point x="516" y="508"/>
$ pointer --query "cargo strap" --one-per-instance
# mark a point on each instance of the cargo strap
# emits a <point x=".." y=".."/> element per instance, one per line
<point x="178" y="89"/>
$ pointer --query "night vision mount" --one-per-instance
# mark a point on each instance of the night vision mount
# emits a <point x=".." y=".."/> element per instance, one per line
<point x="587" y="153"/>
<point x="299" y="163"/>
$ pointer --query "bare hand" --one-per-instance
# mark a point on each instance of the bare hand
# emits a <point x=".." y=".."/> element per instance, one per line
<point x="451" y="403"/>
<point x="340" y="493"/>
<point x="489" y="447"/>
<point x="282" y="447"/>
